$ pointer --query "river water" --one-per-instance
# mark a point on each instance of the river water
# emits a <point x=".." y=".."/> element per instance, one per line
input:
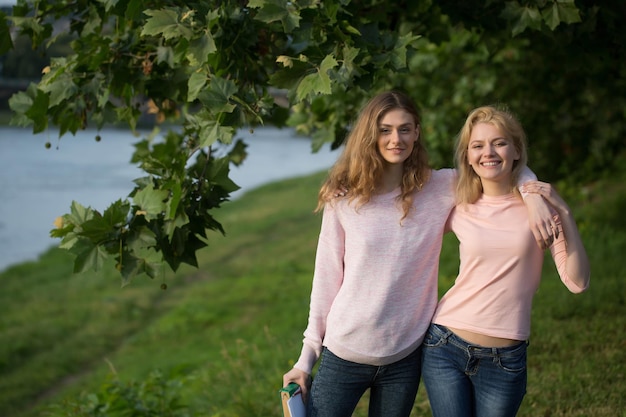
<point x="39" y="184"/>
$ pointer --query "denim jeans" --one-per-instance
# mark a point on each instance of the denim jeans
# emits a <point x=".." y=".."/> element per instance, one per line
<point x="465" y="380"/>
<point x="339" y="385"/>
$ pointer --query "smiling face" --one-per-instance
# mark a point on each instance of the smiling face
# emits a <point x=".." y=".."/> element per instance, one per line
<point x="492" y="158"/>
<point x="397" y="134"/>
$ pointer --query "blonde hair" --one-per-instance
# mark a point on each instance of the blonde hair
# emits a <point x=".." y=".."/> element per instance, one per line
<point x="469" y="188"/>
<point x="360" y="166"/>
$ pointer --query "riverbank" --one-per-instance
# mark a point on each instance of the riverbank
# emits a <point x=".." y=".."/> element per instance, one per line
<point x="39" y="184"/>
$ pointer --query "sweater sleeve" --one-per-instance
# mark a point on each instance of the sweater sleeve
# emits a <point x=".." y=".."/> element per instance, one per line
<point x="559" y="255"/>
<point x="327" y="280"/>
<point x="526" y="175"/>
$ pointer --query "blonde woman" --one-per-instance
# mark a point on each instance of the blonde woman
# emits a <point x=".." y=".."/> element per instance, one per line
<point x="474" y="356"/>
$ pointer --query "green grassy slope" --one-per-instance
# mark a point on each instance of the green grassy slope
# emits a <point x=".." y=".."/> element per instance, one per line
<point x="228" y="330"/>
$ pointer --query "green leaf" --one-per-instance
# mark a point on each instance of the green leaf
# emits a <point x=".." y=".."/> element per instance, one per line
<point x="79" y="213"/>
<point x="28" y="24"/>
<point x="328" y="63"/>
<point x="101" y="228"/>
<point x="183" y="247"/>
<point x="321" y="136"/>
<point x="219" y="175"/>
<point x="60" y="232"/>
<point x="349" y="55"/>
<point x="115" y="215"/>
<point x="317" y="83"/>
<point x="146" y="261"/>
<point x="165" y="54"/>
<point x="175" y="198"/>
<point x="70" y="241"/>
<point x="151" y="202"/>
<point x="178" y="222"/>
<point x="289" y="77"/>
<point x="93" y="23"/>
<point x="292" y="19"/>
<point x="21" y="101"/>
<point x="38" y="112"/>
<point x="238" y="153"/>
<point x="568" y="12"/>
<point x="211" y="132"/>
<point x="140" y="237"/>
<point x="309" y="85"/>
<point x="277" y="10"/>
<point x="129" y="115"/>
<point x="165" y="22"/>
<point x="255" y="4"/>
<point x="561" y="11"/>
<point x="196" y="83"/>
<point x="521" y="17"/>
<point x="62" y="88"/>
<point x="398" y="56"/>
<point x="200" y="49"/>
<point x="95" y="229"/>
<point x="217" y="97"/>
<point x="551" y="16"/>
<point x="92" y="258"/>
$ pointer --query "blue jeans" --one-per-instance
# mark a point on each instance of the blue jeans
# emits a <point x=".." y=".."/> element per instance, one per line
<point x="465" y="380"/>
<point x="339" y="385"/>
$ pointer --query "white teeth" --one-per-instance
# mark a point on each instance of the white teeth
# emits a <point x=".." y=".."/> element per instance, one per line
<point x="490" y="164"/>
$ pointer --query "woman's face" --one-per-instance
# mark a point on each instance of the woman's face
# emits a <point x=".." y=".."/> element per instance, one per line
<point x="397" y="134"/>
<point x="492" y="155"/>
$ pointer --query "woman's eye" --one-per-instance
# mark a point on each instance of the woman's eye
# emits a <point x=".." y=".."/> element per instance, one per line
<point x="405" y="130"/>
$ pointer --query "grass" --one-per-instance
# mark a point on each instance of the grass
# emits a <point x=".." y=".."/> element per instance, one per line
<point x="227" y="331"/>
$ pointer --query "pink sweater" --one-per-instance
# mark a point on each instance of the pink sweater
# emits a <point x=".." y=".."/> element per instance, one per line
<point x="500" y="269"/>
<point x="375" y="283"/>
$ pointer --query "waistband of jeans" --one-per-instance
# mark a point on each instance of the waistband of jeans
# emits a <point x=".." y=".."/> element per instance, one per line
<point x="457" y="341"/>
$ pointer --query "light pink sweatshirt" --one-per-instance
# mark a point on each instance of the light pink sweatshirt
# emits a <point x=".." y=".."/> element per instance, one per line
<point x="375" y="282"/>
<point x="500" y="269"/>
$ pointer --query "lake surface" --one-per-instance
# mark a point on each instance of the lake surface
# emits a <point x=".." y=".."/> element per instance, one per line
<point x="38" y="184"/>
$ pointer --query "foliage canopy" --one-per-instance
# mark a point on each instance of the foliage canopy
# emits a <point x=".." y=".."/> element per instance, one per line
<point x="213" y="67"/>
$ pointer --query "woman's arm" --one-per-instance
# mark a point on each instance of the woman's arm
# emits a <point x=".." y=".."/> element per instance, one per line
<point x="327" y="279"/>
<point x="577" y="263"/>
<point x="542" y="225"/>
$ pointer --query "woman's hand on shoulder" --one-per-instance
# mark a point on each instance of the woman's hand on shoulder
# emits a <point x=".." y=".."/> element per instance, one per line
<point x="340" y="191"/>
<point x="548" y="192"/>
<point x="540" y="219"/>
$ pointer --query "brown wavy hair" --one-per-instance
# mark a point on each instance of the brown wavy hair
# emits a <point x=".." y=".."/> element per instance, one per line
<point x="360" y="166"/>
